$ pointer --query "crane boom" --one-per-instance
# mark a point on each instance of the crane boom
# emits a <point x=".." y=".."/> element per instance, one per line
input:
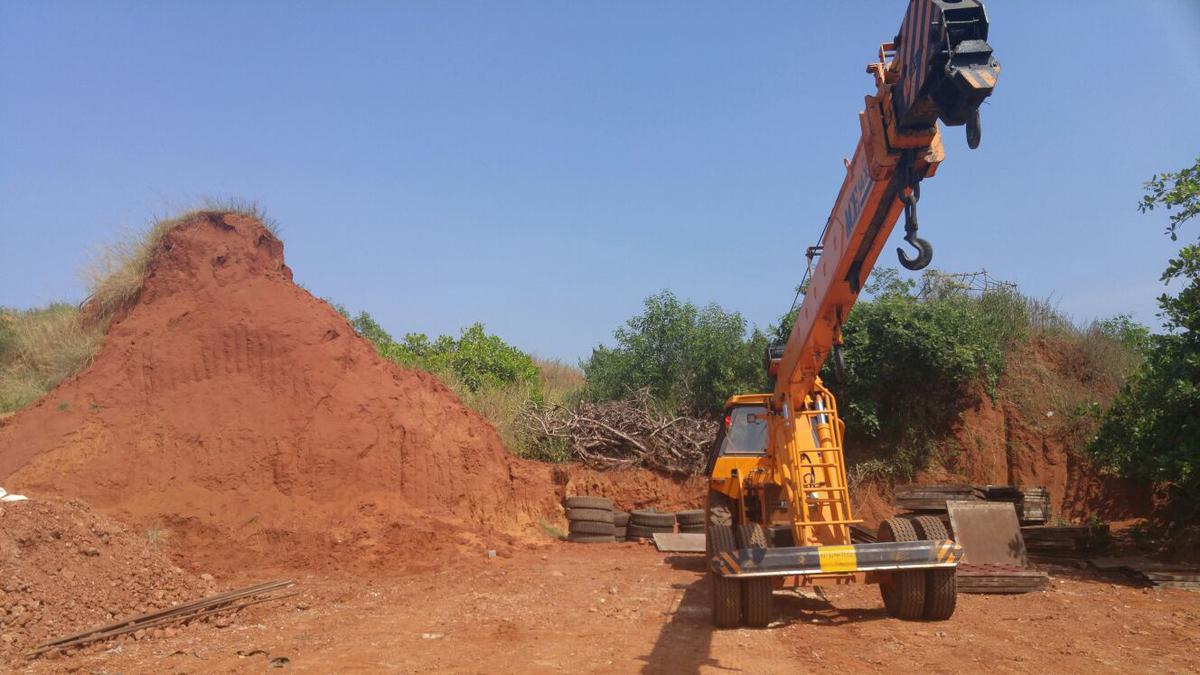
<point x="938" y="67"/>
<point x="779" y="510"/>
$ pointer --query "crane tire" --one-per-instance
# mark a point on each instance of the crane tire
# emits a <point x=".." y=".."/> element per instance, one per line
<point x="904" y="593"/>
<point x="756" y="593"/>
<point x="726" y="593"/>
<point x="941" y="586"/>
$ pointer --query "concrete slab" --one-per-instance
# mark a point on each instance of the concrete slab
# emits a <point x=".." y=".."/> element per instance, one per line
<point x="679" y="542"/>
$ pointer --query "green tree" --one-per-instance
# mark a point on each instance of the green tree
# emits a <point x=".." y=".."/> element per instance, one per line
<point x="689" y="357"/>
<point x="1152" y="431"/>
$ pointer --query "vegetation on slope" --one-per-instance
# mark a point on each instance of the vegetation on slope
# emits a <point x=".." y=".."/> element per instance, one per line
<point x="38" y="349"/>
<point x="917" y="353"/>
<point x="1152" y="431"/>
<point x="491" y="376"/>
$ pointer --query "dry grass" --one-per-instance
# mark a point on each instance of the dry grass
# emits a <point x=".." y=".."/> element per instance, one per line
<point x="503" y="406"/>
<point x="115" y="274"/>
<point x="561" y="383"/>
<point x="38" y="349"/>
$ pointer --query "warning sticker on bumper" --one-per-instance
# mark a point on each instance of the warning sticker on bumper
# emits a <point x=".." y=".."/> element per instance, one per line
<point x="837" y="558"/>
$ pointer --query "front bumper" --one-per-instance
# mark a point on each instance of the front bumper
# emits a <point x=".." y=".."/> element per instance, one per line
<point x="806" y="560"/>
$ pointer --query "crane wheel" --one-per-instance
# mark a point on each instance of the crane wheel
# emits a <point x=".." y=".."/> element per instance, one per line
<point x="903" y="594"/>
<point x="941" y="586"/>
<point x="727" y="593"/>
<point x="756" y="593"/>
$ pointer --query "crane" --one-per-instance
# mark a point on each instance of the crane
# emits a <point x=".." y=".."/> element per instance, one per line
<point x="778" y="507"/>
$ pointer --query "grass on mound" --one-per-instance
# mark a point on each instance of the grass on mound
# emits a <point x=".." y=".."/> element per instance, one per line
<point x="114" y="276"/>
<point x="43" y="346"/>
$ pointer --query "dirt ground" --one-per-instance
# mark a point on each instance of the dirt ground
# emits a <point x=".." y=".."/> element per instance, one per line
<point x="627" y="608"/>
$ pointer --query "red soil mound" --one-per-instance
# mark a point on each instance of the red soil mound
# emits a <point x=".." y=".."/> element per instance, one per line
<point x="65" y="568"/>
<point x="237" y="411"/>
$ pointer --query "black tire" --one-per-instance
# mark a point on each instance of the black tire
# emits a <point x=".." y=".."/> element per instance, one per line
<point x="904" y="594"/>
<point x="588" y="503"/>
<point x="727" y="593"/>
<point x="592" y="515"/>
<point x="620" y="518"/>
<point x="588" y="527"/>
<point x="653" y="519"/>
<point x="590" y="539"/>
<point x="756" y="593"/>
<point x="695" y="517"/>
<point x="638" y="532"/>
<point x="619" y="532"/>
<point x="941" y="586"/>
<point x="692" y="529"/>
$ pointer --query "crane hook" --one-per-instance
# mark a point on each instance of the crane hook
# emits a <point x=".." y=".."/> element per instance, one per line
<point x="924" y="253"/>
<point x="910" y="180"/>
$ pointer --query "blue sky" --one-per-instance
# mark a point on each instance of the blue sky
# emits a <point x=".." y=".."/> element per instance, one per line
<point x="542" y="167"/>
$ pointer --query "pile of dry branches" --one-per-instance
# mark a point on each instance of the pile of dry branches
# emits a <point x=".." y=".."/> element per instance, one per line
<point x="621" y="434"/>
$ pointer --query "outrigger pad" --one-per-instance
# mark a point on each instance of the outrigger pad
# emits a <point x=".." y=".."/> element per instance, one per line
<point x="769" y="562"/>
<point x="989" y="532"/>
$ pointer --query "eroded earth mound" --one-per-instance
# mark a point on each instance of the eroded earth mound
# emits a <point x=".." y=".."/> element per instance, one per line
<point x="234" y="410"/>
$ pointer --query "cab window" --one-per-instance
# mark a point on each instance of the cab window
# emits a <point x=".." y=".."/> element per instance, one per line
<point x="745" y="431"/>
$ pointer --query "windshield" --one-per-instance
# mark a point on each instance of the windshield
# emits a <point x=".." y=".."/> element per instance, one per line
<point x="745" y="431"/>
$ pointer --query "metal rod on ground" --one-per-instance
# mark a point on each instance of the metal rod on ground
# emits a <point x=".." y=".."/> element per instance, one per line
<point x="169" y="613"/>
<point x="155" y="623"/>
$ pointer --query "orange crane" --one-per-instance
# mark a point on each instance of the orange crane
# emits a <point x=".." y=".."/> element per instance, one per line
<point x="778" y="509"/>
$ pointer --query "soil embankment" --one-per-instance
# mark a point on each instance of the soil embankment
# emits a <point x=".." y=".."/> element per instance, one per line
<point x="233" y="409"/>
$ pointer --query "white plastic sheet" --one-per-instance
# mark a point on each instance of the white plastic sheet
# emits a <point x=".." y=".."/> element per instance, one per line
<point x="5" y="497"/>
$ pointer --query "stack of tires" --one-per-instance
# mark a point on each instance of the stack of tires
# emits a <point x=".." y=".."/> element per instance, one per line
<point x="643" y="524"/>
<point x="690" y="521"/>
<point x="591" y="520"/>
<point x="621" y="525"/>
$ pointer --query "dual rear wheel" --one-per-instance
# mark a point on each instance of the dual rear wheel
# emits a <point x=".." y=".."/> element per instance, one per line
<point x="738" y="601"/>
<point x="914" y="595"/>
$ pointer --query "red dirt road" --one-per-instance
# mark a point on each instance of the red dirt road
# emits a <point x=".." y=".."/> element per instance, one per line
<point x="626" y="608"/>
